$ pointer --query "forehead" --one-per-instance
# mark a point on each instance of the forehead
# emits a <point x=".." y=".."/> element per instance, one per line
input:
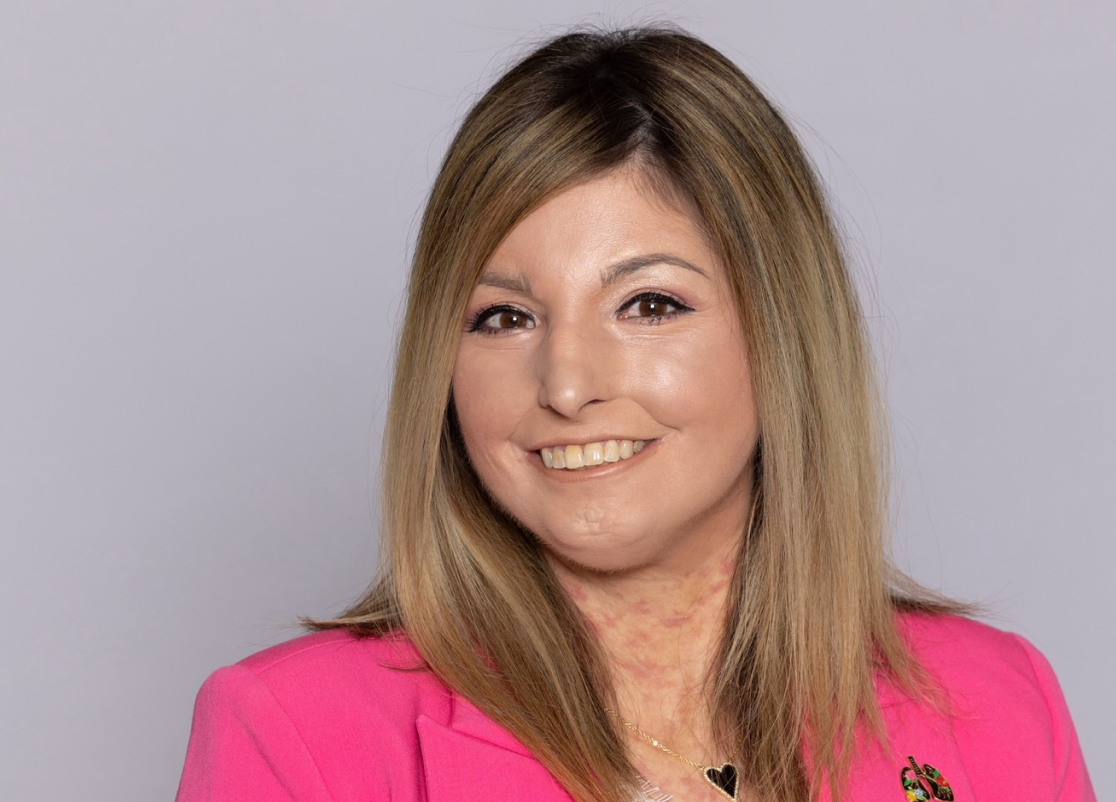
<point x="615" y="217"/>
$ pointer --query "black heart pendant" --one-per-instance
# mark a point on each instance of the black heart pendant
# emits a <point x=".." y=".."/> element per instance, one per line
<point x="723" y="779"/>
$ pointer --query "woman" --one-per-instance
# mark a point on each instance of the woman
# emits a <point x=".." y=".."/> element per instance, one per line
<point x="633" y="502"/>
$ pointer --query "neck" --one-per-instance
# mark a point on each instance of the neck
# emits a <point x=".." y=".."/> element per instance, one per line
<point x="659" y="628"/>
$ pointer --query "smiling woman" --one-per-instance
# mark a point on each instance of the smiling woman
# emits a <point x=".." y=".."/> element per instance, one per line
<point x="633" y="498"/>
<point x="605" y="320"/>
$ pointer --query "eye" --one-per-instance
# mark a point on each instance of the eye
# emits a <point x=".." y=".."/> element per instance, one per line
<point x="653" y="306"/>
<point x="499" y="319"/>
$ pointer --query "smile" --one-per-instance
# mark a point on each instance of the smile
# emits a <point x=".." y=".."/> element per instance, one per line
<point x="577" y="457"/>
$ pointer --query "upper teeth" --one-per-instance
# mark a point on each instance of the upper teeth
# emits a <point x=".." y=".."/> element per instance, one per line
<point x="573" y="457"/>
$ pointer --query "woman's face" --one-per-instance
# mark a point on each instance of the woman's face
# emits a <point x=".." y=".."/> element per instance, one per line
<point x="603" y="334"/>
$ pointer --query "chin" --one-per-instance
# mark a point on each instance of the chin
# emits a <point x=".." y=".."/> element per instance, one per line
<point x="603" y="553"/>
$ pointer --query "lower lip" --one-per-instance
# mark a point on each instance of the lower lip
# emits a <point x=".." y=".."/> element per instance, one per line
<point x="596" y="471"/>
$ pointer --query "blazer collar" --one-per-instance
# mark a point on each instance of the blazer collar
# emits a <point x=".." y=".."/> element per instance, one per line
<point x="473" y="759"/>
<point x="470" y="758"/>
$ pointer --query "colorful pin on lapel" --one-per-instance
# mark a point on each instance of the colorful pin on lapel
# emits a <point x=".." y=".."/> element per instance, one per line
<point x="924" y="783"/>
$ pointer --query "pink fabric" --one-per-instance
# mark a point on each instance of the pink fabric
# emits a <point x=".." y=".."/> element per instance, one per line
<point x="331" y="717"/>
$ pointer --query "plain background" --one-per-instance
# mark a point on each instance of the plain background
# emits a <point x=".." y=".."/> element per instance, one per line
<point x="205" y="217"/>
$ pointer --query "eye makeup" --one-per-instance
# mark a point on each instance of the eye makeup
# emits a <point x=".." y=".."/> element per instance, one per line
<point x="650" y="307"/>
<point x="653" y="307"/>
<point x="514" y="317"/>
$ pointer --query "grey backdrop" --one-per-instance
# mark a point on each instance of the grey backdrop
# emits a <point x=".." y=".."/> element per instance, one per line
<point x="205" y="213"/>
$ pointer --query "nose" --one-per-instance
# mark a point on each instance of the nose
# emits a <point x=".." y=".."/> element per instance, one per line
<point x="573" y="370"/>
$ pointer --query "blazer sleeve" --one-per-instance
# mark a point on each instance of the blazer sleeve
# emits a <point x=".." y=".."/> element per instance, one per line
<point x="244" y="746"/>
<point x="1071" y="778"/>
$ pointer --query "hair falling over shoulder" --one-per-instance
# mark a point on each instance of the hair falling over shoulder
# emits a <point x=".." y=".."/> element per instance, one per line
<point x="814" y="597"/>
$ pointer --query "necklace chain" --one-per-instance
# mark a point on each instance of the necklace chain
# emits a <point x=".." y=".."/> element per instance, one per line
<point x="654" y="742"/>
<point x="661" y="746"/>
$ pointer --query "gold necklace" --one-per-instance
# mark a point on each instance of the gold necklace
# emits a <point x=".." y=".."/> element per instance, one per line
<point x="725" y="779"/>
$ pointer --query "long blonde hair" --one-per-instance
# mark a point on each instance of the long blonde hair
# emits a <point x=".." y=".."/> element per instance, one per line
<point x="812" y="611"/>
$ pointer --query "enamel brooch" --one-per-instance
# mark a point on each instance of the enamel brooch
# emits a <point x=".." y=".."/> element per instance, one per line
<point x="924" y="783"/>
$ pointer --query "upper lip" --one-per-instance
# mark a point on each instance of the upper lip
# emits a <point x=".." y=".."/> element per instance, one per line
<point x="581" y="441"/>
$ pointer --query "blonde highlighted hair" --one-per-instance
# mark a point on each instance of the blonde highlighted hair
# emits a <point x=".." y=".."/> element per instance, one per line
<point x="813" y="602"/>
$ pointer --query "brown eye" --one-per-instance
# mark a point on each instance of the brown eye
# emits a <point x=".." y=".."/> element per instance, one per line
<point x="649" y="307"/>
<point x="502" y="318"/>
<point x="653" y="307"/>
<point x="509" y="320"/>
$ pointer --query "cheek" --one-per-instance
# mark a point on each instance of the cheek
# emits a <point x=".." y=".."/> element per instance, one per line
<point x="474" y="416"/>
<point x="702" y="382"/>
<point x="486" y="398"/>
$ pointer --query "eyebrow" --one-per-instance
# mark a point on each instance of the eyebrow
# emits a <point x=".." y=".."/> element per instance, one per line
<point x="609" y="276"/>
<point x="614" y="273"/>
<point x="518" y="284"/>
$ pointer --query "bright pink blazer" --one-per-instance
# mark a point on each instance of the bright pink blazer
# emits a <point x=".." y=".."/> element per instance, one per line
<point x="330" y="717"/>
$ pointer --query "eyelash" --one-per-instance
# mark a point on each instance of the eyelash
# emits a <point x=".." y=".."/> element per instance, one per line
<point x="475" y="324"/>
<point x="659" y="298"/>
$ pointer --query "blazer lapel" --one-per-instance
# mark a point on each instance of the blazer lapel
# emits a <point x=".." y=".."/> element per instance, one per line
<point x="473" y="759"/>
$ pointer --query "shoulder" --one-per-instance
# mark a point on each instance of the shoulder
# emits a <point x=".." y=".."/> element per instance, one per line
<point x="324" y="716"/>
<point x="1001" y="697"/>
<point x="972" y="661"/>
<point x="954" y="646"/>
<point x="334" y="653"/>
<point x="322" y="674"/>
<point x="334" y="648"/>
